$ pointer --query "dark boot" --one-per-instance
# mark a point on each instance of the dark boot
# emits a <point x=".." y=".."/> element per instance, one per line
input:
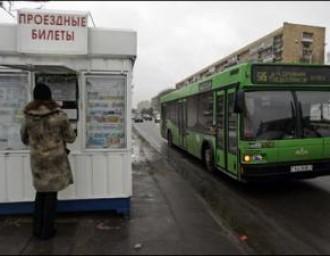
<point x="38" y="214"/>
<point x="49" y="213"/>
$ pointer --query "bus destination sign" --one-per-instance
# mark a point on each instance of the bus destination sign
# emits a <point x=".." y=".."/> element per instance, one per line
<point x="285" y="74"/>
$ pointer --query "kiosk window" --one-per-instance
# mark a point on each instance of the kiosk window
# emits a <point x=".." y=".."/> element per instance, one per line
<point x="13" y="98"/>
<point x="105" y="111"/>
<point x="64" y="89"/>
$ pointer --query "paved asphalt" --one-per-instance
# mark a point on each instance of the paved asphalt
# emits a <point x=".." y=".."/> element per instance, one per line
<point x="281" y="218"/>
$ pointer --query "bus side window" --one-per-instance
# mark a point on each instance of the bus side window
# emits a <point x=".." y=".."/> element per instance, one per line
<point x="172" y="112"/>
<point x="205" y="111"/>
<point x="192" y="112"/>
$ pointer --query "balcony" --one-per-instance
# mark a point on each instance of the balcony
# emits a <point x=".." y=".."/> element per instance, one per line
<point x="277" y="58"/>
<point x="306" y="59"/>
<point x="267" y="59"/>
<point x="277" y="50"/>
<point x="307" y="40"/>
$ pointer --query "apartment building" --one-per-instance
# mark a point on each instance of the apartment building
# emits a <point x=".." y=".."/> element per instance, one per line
<point x="291" y="43"/>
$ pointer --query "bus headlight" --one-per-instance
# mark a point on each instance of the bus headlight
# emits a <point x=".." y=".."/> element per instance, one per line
<point x="247" y="158"/>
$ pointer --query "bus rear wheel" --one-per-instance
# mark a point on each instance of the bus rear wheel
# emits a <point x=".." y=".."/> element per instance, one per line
<point x="209" y="159"/>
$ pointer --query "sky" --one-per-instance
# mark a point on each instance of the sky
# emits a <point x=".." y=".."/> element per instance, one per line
<point x="176" y="39"/>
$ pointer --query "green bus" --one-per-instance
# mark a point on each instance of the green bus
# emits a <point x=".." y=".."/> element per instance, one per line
<point x="254" y="121"/>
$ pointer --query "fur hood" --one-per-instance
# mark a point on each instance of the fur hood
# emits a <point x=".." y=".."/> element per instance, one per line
<point x="40" y="108"/>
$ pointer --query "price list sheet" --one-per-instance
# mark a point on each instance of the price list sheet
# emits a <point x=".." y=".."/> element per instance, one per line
<point x="105" y="111"/>
<point x="13" y="98"/>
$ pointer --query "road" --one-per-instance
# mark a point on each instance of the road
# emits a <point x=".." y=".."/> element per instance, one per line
<point x="281" y="218"/>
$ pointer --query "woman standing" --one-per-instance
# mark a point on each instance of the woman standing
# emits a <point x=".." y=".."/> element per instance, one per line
<point x="46" y="129"/>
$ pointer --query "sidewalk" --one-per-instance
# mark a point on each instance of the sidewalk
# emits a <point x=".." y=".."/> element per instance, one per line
<point x="167" y="217"/>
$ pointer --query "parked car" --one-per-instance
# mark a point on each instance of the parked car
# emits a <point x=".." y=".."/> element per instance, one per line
<point x="157" y="118"/>
<point x="138" y="119"/>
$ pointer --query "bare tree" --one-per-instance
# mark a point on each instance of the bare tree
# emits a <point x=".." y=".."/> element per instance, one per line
<point x="9" y="6"/>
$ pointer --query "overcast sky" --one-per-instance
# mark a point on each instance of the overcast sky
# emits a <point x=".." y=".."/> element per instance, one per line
<point x="176" y="39"/>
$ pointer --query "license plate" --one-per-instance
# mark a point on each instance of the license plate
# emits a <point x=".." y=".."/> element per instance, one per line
<point x="301" y="168"/>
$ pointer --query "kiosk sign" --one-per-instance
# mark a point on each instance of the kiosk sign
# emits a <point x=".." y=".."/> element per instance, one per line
<point x="45" y="32"/>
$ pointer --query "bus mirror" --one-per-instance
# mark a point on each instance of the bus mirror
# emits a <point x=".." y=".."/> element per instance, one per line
<point x="239" y="102"/>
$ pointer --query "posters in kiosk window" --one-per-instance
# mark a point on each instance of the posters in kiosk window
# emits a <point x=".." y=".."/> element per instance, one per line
<point x="105" y="111"/>
<point x="13" y="98"/>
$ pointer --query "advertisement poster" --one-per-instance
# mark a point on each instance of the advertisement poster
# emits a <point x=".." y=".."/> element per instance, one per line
<point x="13" y="98"/>
<point x="105" y="112"/>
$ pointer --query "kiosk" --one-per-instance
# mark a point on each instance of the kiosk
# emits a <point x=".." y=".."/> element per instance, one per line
<point x="89" y="71"/>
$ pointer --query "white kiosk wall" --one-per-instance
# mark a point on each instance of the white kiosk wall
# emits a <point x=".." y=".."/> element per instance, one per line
<point x="101" y="156"/>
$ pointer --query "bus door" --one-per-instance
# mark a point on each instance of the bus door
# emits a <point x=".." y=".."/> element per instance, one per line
<point x="231" y="132"/>
<point x="226" y="124"/>
<point x="182" y="122"/>
<point x="220" y="155"/>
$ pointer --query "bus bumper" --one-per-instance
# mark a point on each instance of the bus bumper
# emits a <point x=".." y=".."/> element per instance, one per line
<point x="259" y="172"/>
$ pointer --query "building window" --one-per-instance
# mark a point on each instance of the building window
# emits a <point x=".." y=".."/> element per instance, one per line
<point x="307" y="35"/>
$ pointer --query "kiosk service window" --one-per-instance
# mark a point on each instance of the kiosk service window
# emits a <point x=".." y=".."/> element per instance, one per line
<point x="64" y="89"/>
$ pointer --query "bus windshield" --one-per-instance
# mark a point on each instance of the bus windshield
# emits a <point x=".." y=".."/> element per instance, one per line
<point x="271" y="115"/>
